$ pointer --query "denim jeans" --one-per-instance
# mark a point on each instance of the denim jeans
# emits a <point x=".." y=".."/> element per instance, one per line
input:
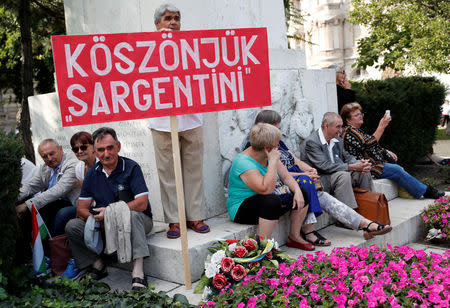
<point x="401" y="177"/>
<point x="62" y="217"/>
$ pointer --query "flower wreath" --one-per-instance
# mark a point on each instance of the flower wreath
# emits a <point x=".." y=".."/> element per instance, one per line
<point x="232" y="260"/>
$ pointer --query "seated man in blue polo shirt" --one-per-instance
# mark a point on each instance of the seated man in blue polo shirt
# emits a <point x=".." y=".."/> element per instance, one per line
<point x="111" y="179"/>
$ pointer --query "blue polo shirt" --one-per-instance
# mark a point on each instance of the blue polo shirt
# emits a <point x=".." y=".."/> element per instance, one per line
<point x="104" y="189"/>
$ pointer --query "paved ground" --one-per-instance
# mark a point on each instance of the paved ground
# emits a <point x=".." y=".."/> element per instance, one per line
<point x="442" y="148"/>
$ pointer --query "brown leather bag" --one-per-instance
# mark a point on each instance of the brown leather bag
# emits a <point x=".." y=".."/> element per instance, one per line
<point x="372" y="205"/>
<point x="60" y="253"/>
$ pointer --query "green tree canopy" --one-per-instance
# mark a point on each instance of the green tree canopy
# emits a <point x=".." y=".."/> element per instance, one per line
<point x="26" y="27"/>
<point x="46" y="19"/>
<point x="404" y="32"/>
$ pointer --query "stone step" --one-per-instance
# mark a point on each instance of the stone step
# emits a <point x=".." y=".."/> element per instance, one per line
<point x="406" y="224"/>
<point x="166" y="258"/>
<point x="387" y="187"/>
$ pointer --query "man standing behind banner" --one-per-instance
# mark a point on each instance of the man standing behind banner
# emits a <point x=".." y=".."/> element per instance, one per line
<point x="190" y="134"/>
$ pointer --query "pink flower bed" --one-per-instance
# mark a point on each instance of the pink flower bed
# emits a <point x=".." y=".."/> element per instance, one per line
<point x="437" y="216"/>
<point x="348" y="277"/>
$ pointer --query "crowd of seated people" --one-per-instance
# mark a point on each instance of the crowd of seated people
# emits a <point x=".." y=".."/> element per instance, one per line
<point x="305" y="175"/>
<point x="266" y="181"/>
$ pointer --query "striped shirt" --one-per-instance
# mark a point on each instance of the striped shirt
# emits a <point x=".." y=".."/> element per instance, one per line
<point x="365" y="146"/>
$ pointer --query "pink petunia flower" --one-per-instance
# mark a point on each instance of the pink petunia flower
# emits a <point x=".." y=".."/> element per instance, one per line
<point x="315" y="296"/>
<point x="393" y="301"/>
<point x="296" y="280"/>
<point x="313" y="287"/>
<point x="251" y="302"/>
<point x="273" y="283"/>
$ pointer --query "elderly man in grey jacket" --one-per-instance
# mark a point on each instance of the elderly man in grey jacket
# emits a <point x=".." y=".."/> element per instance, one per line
<point x="339" y="171"/>
<point x="52" y="188"/>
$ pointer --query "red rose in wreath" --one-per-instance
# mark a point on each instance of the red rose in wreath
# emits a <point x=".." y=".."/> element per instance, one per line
<point x="253" y="264"/>
<point x="250" y="244"/>
<point x="240" y="251"/>
<point x="238" y="272"/>
<point x="220" y="281"/>
<point x="227" y="264"/>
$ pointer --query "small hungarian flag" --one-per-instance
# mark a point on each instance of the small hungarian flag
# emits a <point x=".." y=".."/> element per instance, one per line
<point x="40" y="232"/>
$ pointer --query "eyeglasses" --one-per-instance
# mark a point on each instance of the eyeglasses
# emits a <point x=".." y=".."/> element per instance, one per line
<point x="341" y="72"/>
<point x="359" y="114"/>
<point x="81" y="147"/>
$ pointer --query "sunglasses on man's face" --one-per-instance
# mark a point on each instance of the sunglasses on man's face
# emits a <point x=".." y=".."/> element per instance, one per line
<point x="81" y="147"/>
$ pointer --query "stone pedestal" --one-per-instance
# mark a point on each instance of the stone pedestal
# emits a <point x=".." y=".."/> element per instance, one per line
<point x="301" y="96"/>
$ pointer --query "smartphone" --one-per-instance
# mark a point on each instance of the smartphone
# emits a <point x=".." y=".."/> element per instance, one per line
<point x="388" y="114"/>
<point x="94" y="212"/>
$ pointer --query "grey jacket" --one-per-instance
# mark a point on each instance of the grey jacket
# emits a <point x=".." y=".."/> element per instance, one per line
<point x="66" y="185"/>
<point x="316" y="154"/>
<point x="117" y="223"/>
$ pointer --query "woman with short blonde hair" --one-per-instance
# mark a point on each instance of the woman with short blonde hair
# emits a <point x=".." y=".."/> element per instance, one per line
<point x="253" y="181"/>
<point x="264" y="135"/>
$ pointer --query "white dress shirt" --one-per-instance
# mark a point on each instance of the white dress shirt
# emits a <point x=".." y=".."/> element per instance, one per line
<point x="329" y="145"/>
<point x="185" y="122"/>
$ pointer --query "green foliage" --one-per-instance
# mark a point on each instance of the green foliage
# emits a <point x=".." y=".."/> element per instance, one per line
<point x="415" y="109"/>
<point x="404" y="32"/>
<point x="10" y="55"/>
<point x="440" y="135"/>
<point x="295" y="17"/>
<point x="88" y="293"/>
<point x="11" y="151"/>
<point x="444" y="173"/>
<point x="47" y="19"/>
<point x="431" y="181"/>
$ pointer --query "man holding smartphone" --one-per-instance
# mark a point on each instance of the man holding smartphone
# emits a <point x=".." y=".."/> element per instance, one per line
<point x="111" y="179"/>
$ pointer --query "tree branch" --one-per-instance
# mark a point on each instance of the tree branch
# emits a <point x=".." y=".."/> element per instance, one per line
<point x="51" y="11"/>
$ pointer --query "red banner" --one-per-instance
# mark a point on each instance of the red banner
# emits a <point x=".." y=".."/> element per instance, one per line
<point x="125" y="76"/>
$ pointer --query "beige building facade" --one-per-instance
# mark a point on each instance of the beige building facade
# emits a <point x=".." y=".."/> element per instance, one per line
<point x="327" y="37"/>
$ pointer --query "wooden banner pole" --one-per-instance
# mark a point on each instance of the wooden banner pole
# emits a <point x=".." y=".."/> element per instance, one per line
<point x="180" y="200"/>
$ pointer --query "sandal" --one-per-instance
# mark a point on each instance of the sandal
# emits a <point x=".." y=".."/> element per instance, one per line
<point x="320" y="240"/>
<point x="174" y="230"/>
<point x="381" y="229"/>
<point x="198" y="226"/>
<point x="142" y="281"/>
